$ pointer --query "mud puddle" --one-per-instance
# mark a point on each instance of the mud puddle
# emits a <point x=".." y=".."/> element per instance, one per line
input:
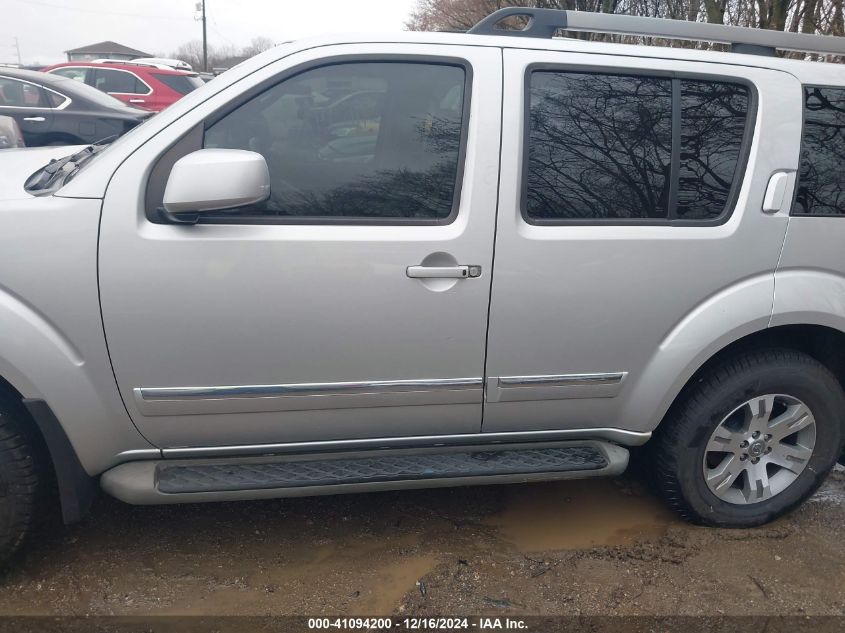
<point x="590" y="546"/>
<point x="569" y="515"/>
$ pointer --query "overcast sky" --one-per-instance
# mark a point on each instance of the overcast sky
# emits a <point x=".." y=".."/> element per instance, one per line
<point x="47" y="28"/>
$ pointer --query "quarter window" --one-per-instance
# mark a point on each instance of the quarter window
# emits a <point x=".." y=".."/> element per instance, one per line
<point x="713" y="120"/>
<point x="821" y="177"/>
<point x="367" y="141"/>
<point x="183" y="84"/>
<point x="604" y="147"/>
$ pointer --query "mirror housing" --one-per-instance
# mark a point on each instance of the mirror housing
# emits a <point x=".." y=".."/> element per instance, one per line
<point x="214" y="180"/>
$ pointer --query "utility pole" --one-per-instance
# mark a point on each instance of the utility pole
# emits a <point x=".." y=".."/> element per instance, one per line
<point x="201" y="8"/>
<point x="18" y="49"/>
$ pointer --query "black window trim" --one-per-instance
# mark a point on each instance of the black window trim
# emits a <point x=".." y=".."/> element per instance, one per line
<point x="792" y="213"/>
<point x="336" y="60"/>
<point x="676" y="77"/>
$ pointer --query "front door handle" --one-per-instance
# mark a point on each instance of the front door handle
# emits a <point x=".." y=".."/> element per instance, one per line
<point x="443" y="272"/>
<point x="137" y="101"/>
<point x="35" y="119"/>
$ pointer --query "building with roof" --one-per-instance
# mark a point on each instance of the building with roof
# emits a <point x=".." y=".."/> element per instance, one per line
<point x="104" y="50"/>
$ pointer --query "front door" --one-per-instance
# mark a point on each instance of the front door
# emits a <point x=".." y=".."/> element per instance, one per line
<point x="631" y="240"/>
<point x="332" y="311"/>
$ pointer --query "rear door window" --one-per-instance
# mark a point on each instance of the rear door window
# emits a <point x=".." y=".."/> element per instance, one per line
<point x="118" y="81"/>
<point x="20" y="94"/>
<point x="632" y="148"/>
<point x="821" y="176"/>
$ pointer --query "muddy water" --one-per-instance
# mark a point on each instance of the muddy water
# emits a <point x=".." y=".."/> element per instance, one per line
<point x="369" y="576"/>
<point x="366" y="554"/>
<point x="579" y="514"/>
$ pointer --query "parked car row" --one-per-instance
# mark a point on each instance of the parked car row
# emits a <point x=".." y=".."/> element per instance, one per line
<point x="150" y="86"/>
<point x="86" y="102"/>
<point x="55" y="110"/>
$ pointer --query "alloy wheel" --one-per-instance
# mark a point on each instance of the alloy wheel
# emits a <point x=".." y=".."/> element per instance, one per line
<point x="759" y="449"/>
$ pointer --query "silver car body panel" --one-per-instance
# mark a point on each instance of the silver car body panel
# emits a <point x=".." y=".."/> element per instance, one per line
<point x="654" y="303"/>
<point x="224" y="304"/>
<point x="51" y="334"/>
<point x="810" y="283"/>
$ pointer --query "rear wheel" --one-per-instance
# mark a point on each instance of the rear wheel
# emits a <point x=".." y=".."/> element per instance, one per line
<point x="19" y="481"/>
<point x="752" y="439"/>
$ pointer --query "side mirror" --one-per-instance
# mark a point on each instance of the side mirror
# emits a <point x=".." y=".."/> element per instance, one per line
<point x="213" y="180"/>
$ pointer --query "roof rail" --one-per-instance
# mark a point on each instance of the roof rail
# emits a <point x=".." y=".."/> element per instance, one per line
<point x="544" y="23"/>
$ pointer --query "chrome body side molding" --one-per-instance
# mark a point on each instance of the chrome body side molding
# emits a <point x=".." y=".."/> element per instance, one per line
<point x="554" y="386"/>
<point x="306" y="396"/>
<point x="618" y="436"/>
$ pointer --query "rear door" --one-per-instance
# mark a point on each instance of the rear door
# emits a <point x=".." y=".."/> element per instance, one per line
<point x="354" y="303"/>
<point x="29" y="104"/>
<point x="124" y="85"/>
<point x="630" y="201"/>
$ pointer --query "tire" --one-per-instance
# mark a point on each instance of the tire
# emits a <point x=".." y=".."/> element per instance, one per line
<point x="19" y="480"/>
<point x="718" y="409"/>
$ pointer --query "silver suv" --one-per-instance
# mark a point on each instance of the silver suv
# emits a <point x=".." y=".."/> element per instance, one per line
<point x="439" y="259"/>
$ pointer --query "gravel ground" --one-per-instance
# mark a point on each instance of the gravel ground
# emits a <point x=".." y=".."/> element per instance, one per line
<point x="583" y="547"/>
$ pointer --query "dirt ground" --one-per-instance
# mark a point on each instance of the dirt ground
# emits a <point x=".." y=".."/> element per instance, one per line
<point x="582" y="547"/>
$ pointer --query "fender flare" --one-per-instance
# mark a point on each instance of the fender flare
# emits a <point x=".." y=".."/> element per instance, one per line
<point x="77" y="489"/>
<point x="725" y="317"/>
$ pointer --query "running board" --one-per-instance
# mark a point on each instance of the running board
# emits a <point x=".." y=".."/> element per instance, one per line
<point x="190" y="481"/>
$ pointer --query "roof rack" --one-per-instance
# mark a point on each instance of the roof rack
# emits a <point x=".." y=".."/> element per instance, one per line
<point x="130" y="62"/>
<point x="544" y="23"/>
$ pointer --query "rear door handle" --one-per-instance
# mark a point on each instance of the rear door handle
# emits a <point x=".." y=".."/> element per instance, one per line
<point x="36" y="119"/>
<point x="136" y="101"/>
<point x="443" y="272"/>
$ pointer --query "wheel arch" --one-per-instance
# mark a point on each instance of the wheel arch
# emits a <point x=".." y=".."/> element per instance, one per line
<point x="824" y="343"/>
<point x="745" y="315"/>
<point x="63" y="390"/>
<point x="65" y="474"/>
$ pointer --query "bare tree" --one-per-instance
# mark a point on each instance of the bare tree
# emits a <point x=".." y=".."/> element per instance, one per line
<point x="257" y="45"/>
<point x="807" y="16"/>
<point x="220" y="56"/>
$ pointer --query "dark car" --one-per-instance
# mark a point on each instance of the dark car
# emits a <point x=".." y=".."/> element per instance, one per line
<point x="53" y="110"/>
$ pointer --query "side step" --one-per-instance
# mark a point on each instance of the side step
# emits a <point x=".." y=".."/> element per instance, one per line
<point x="176" y="481"/>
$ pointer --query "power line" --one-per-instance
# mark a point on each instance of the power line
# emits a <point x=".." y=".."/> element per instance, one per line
<point x="215" y="26"/>
<point x="100" y="12"/>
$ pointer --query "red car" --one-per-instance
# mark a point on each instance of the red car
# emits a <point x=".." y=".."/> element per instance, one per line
<point x="141" y="86"/>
